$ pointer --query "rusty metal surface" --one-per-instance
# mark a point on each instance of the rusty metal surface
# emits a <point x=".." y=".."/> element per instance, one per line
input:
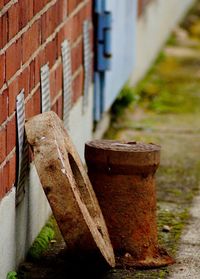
<point x="122" y="175"/>
<point x="67" y="187"/>
<point x="122" y="158"/>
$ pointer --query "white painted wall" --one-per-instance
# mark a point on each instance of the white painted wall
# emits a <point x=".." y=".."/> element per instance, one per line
<point x="7" y="234"/>
<point x="152" y="30"/>
<point x="81" y="124"/>
<point x="31" y="215"/>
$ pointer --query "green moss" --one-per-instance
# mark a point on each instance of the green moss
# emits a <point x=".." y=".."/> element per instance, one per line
<point x="126" y="97"/>
<point x="161" y="57"/>
<point x="166" y="86"/>
<point x="176" y="220"/>
<point x="172" y="40"/>
<point x="175" y="192"/>
<point x="42" y="241"/>
<point x="12" y="275"/>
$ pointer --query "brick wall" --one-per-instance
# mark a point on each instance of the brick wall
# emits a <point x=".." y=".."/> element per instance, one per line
<point x="31" y="33"/>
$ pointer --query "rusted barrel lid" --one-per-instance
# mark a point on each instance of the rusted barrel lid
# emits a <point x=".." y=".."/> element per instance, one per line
<point x="122" y="157"/>
<point x="67" y="187"/>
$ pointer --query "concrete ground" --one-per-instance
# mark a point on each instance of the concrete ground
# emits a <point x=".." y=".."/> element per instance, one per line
<point x="188" y="265"/>
<point x="167" y="112"/>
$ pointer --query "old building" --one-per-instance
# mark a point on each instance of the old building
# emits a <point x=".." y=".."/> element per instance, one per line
<point x="72" y="57"/>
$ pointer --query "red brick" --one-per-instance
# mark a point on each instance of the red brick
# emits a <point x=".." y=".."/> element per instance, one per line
<point x="89" y="9"/>
<point x="2" y="69"/>
<point x="24" y="81"/>
<point x="77" y="86"/>
<point x="76" y="27"/>
<point x="51" y="52"/>
<point x="62" y="9"/>
<point x="53" y="92"/>
<point x="12" y="171"/>
<point x="77" y="22"/>
<point x="2" y="190"/>
<point x="77" y="56"/>
<point x="38" y="6"/>
<point x="59" y="12"/>
<point x="58" y="45"/>
<point x="13" y="91"/>
<point x="13" y="19"/>
<point x="32" y="107"/>
<point x="44" y="33"/>
<point x="2" y="144"/>
<point x="39" y="62"/>
<point x="59" y="79"/>
<point x="56" y="15"/>
<point x="54" y="107"/>
<point x="11" y="135"/>
<point x="60" y="107"/>
<point x="32" y="76"/>
<point x="46" y="1"/>
<point x="72" y="4"/>
<point x="3" y="30"/>
<point x="37" y="102"/>
<point x="3" y="106"/>
<point x="52" y="17"/>
<point x="64" y="33"/>
<point x="79" y="1"/>
<point x="1" y="4"/>
<point x="6" y="178"/>
<point x="6" y="1"/>
<point x="13" y="59"/>
<point x="30" y="41"/>
<point x="49" y="22"/>
<point x="85" y="13"/>
<point x="26" y="11"/>
<point x="29" y="109"/>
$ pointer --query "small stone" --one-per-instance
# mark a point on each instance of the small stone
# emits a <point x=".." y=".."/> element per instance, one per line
<point x="166" y="228"/>
<point x="127" y="255"/>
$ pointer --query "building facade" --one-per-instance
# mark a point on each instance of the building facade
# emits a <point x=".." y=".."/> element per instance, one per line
<point x="72" y="57"/>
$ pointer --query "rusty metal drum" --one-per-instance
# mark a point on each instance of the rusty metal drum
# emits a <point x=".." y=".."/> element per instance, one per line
<point x="123" y="178"/>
